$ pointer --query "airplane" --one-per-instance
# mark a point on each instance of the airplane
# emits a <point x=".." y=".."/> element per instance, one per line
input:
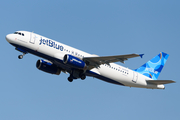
<point x="58" y="57"/>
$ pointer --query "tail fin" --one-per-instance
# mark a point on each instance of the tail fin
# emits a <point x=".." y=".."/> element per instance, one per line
<point x="153" y="67"/>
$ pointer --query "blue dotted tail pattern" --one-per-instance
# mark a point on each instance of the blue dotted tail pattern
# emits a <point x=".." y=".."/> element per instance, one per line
<point x="153" y="68"/>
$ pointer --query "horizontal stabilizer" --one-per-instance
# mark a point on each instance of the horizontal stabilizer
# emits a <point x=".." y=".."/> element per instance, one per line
<point x="159" y="82"/>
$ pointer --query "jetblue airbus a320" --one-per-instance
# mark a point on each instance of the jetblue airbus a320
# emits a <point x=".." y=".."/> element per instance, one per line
<point x="59" y="57"/>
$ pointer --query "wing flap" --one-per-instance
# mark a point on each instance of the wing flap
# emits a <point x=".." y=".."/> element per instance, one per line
<point x="160" y="82"/>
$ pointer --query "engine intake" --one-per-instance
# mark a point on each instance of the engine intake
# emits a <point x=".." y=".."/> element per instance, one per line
<point x="48" y="67"/>
<point x="74" y="62"/>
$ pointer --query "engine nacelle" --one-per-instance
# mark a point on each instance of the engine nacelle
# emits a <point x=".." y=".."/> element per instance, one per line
<point x="48" y="67"/>
<point x="74" y="62"/>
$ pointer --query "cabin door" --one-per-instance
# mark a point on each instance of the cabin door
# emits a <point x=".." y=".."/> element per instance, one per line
<point x="135" y="77"/>
<point x="32" y="38"/>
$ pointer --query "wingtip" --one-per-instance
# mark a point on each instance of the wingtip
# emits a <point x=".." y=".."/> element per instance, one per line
<point x="141" y="55"/>
<point x="173" y="81"/>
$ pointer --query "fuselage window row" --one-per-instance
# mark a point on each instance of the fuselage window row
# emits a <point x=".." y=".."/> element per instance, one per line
<point x="116" y="69"/>
<point x="73" y="53"/>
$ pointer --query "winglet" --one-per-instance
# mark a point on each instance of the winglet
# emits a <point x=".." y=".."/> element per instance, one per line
<point x="141" y="55"/>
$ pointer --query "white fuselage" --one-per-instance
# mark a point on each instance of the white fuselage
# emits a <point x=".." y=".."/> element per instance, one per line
<point x="52" y="50"/>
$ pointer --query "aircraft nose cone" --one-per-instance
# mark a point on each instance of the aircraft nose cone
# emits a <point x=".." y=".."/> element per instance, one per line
<point x="8" y="37"/>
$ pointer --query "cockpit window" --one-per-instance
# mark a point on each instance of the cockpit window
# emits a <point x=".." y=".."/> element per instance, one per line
<point x="19" y="33"/>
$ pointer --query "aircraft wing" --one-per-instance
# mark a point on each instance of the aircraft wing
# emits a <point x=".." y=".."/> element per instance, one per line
<point x="96" y="61"/>
<point x="159" y="82"/>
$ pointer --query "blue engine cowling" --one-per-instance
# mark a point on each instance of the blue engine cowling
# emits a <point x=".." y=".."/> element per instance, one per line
<point x="74" y="62"/>
<point x="48" y="67"/>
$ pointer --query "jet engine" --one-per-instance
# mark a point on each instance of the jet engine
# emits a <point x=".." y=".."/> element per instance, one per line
<point x="74" y="62"/>
<point x="48" y="67"/>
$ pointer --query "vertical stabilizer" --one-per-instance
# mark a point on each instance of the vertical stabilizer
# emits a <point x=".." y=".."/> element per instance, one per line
<point x="153" y="68"/>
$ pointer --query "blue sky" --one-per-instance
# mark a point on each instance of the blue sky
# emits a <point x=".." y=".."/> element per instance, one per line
<point x="98" y="27"/>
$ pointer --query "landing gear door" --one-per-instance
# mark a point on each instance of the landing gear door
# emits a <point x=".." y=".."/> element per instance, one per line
<point x="32" y="38"/>
<point x="135" y="77"/>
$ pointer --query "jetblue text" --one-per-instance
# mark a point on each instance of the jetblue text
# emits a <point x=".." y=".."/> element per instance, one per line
<point x="51" y="43"/>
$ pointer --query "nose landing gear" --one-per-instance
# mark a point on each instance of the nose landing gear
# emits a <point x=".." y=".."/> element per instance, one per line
<point x="21" y="56"/>
<point x="21" y="50"/>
